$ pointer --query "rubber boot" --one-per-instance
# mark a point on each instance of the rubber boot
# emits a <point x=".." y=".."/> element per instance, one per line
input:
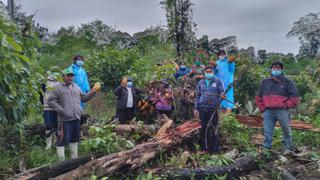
<point x="49" y="140"/>
<point x="60" y="152"/>
<point x="73" y="150"/>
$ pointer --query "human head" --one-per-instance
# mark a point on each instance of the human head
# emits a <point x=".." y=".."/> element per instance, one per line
<point x="130" y="82"/>
<point x="197" y="61"/>
<point x="276" y="68"/>
<point x="208" y="72"/>
<point x="78" y="60"/>
<point x="221" y="54"/>
<point x="183" y="65"/>
<point x="68" y="75"/>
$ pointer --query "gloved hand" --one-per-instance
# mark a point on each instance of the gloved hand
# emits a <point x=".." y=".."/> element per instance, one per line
<point x="231" y="59"/>
<point x="212" y="63"/>
<point x="124" y="82"/>
<point x="96" y="87"/>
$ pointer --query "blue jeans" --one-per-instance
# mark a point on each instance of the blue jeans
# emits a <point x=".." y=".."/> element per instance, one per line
<point x="270" y="118"/>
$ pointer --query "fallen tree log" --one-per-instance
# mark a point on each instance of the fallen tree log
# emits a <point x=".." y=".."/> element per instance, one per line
<point x="46" y="172"/>
<point x="257" y="122"/>
<point x="139" y="155"/>
<point x="241" y="166"/>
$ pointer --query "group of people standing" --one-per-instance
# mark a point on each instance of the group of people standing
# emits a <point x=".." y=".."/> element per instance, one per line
<point x="64" y="101"/>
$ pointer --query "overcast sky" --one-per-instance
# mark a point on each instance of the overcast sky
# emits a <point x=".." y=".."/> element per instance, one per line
<point x="260" y="23"/>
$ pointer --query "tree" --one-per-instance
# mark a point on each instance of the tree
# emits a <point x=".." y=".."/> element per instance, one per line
<point x="19" y="72"/>
<point x="180" y="25"/>
<point x="96" y="31"/>
<point x="307" y="29"/>
<point x="218" y="44"/>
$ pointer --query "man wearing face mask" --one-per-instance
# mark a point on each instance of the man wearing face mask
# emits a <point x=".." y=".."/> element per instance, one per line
<point x="225" y="69"/>
<point x="276" y="95"/>
<point x="182" y="71"/>
<point x="210" y="91"/>
<point x="197" y="71"/>
<point x="80" y="75"/>
<point x="126" y="100"/>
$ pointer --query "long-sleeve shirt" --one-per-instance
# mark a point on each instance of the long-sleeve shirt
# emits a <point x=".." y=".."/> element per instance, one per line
<point x="276" y="93"/>
<point x="65" y="100"/>
<point x="208" y="94"/>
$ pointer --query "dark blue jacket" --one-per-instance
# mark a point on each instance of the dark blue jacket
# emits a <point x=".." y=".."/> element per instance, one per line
<point x="208" y="96"/>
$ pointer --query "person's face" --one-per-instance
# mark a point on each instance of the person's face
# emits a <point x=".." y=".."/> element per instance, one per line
<point x="68" y="79"/>
<point x="208" y="71"/>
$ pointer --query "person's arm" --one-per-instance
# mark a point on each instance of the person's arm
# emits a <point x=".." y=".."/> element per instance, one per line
<point x="232" y="67"/>
<point x="86" y="97"/>
<point x="42" y="93"/>
<point x="198" y="95"/>
<point x="293" y="95"/>
<point x="86" y="83"/>
<point x="259" y="99"/>
<point x="53" y="100"/>
<point x="118" y="91"/>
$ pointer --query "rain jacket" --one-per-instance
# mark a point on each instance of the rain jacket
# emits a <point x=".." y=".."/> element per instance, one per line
<point x="81" y="80"/>
<point x="225" y="72"/>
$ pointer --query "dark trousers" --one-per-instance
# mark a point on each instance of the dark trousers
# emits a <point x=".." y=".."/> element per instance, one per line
<point x="51" y="122"/>
<point x="125" y="115"/>
<point x="209" y="138"/>
<point x="68" y="132"/>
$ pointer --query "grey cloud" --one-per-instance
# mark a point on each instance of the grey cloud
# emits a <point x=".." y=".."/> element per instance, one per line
<point x="261" y="23"/>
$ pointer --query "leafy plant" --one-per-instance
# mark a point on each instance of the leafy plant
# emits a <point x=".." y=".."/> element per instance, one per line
<point x="19" y="73"/>
<point x="105" y="140"/>
<point x="236" y="134"/>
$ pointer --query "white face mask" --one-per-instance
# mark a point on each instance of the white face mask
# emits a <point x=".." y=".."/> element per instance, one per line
<point x="221" y="57"/>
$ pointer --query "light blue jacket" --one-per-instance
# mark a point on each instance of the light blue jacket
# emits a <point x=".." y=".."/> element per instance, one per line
<point x="225" y="72"/>
<point x="81" y="80"/>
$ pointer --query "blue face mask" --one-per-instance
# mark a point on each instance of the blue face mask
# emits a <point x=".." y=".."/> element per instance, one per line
<point x="79" y="63"/>
<point x="276" y="72"/>
<point x="209" y="75"/>
<point x="183" y="67"/>
<point x="129" y="84"/>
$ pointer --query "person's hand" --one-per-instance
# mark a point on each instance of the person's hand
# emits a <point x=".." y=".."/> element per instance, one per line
<point x="231" y="59"/>
<point x="96" y="87"/>
<point x="200" y="76"/>
<point x="223" y="96"/>
<point x="196" y="113"/>
<point x="213" y="63"/>
<point x="124" y="82"/>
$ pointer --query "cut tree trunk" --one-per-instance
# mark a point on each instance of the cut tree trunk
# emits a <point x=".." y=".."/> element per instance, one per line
<point x="47" y="172"/>
<point x="257" y="122"/>
<point x="166" y="138"/>
<point x="241" y="166"/>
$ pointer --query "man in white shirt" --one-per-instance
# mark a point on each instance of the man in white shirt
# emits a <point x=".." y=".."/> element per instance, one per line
<point x="126" y="100"/>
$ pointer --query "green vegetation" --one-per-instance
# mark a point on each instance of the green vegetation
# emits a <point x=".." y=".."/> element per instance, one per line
<point x="26" y="60"/>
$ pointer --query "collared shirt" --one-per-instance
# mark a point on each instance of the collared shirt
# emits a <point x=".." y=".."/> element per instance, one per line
<point x="130" y="98"/>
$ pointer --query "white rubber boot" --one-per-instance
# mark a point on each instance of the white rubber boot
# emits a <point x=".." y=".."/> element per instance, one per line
<point x="60" y="152"/>
<point x="49" y="141"/>
<point x="73" y="150"/>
